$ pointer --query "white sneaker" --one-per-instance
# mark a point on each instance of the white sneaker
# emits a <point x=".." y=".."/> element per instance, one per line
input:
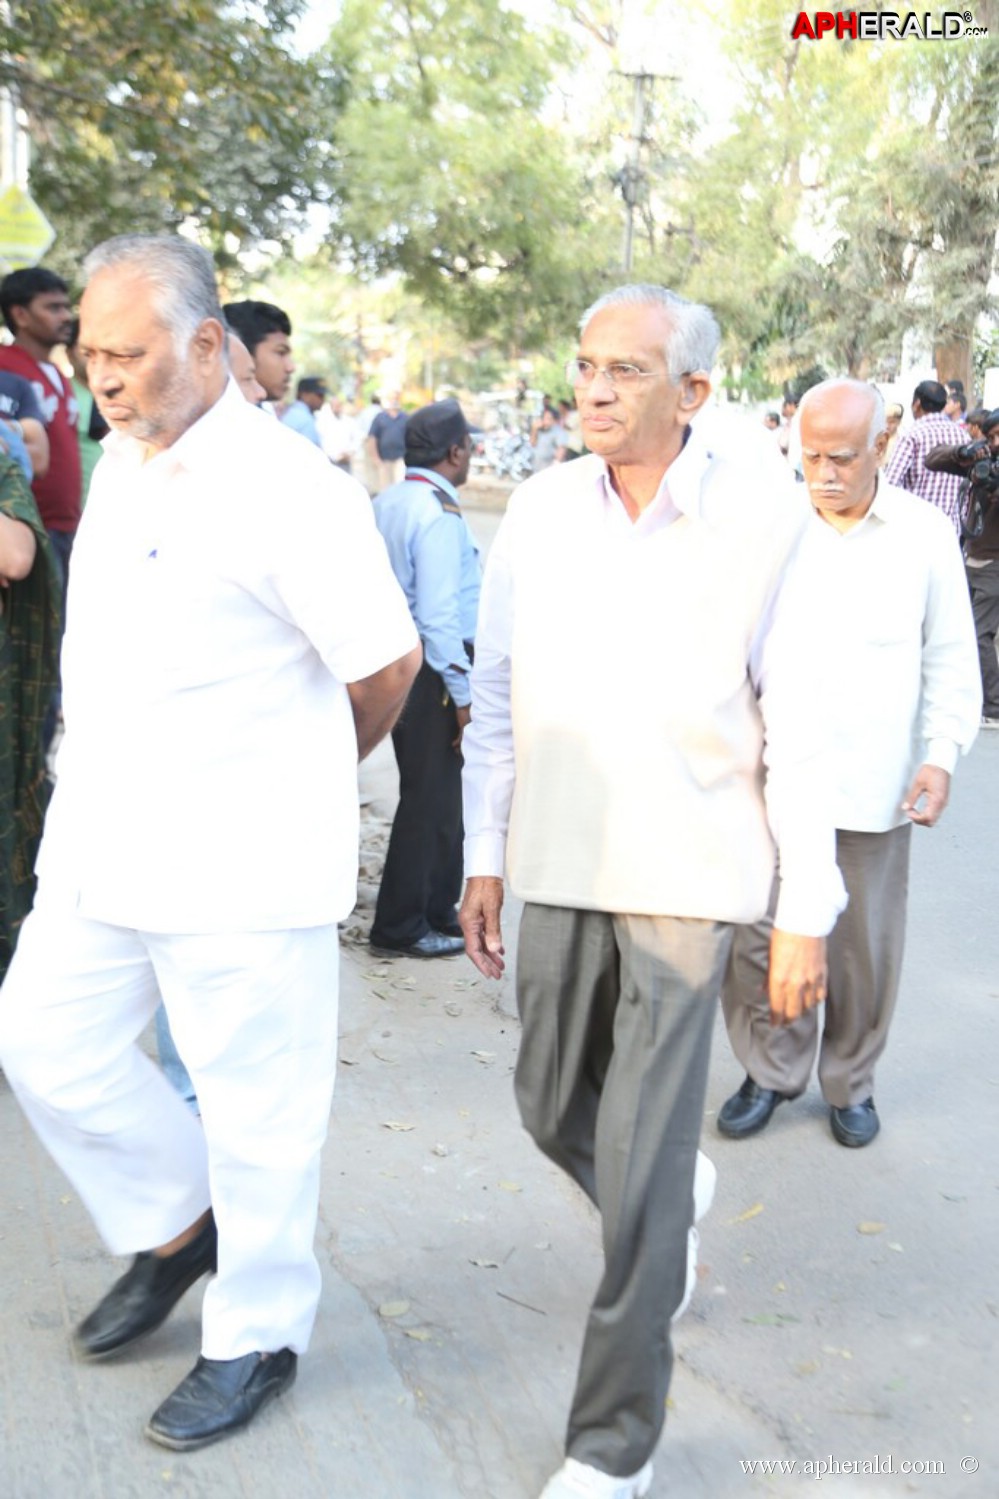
<point x="705" y="1178"/>
<point x="579" y="1481"/>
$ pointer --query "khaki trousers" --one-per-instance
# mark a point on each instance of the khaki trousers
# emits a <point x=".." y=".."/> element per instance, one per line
<point x="617" y="1014"/>
<point x="865" y="962"/>
<point x="390" y="471"/>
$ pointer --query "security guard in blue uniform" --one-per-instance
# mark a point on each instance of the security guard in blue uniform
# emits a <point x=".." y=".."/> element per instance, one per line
<point x="436" y="562"/>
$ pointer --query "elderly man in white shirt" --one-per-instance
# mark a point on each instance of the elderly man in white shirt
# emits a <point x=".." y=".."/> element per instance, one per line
<point x="633" y="673"/>
<point x="236" y="638"/>
<point x="893" y="644"/>
<point x="338" y="433"/>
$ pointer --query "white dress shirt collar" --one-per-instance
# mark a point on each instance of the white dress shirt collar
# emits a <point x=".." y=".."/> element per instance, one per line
<point x="201" y="446"/>
<point x="679" y="491"/>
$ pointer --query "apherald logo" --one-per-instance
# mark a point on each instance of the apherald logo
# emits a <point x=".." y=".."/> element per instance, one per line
<point x="876" y="25"/>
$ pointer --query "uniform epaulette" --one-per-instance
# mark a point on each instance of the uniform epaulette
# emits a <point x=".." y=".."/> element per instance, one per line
<point x="446" y="502"/>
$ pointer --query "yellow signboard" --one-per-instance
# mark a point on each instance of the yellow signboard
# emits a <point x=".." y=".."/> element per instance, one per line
<point x="25" y="232"/>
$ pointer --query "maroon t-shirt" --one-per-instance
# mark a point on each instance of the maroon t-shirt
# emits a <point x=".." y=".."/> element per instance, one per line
<point x="58" y="493"/>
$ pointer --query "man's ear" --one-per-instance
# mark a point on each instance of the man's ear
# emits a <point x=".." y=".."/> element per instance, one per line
<point x="694" y="391"/>
<point x="209" y="339"/>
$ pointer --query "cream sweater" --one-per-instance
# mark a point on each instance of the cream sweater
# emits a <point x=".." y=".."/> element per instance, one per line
<point x="629" y="681"/>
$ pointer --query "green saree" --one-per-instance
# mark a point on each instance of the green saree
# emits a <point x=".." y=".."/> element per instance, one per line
<point x="29" y="635"/>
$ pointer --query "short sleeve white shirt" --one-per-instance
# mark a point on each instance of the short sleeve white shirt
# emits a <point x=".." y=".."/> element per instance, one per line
<point x="222" y="596"/>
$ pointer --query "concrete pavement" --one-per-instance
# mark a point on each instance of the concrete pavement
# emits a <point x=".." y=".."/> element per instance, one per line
<point x="846" y="1312"/>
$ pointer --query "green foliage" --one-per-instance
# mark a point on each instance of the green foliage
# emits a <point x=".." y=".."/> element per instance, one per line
<point x="451" y="174"/>
<point x="853" y="197"/>
<point x="476" y="152"/>
<point x="950" y="190"/>
<point x="145" y="116"/>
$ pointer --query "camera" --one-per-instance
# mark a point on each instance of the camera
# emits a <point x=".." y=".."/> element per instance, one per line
<point x="985" y="471"/>
<point x="979" y="488"/>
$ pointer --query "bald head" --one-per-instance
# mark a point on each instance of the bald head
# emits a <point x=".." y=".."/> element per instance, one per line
<point x="244" y="370"/>
<point x="843" y="439"/>
<point x="843" y="396"/>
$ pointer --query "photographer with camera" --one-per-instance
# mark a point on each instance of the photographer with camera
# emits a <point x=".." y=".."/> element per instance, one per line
<point x="978" y="464"/>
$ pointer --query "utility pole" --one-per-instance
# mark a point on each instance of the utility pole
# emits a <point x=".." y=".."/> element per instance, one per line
<point x="631" y="178"/>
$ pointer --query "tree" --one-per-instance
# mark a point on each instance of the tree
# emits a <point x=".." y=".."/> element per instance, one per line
<point x="147" y="116"/>
<point x="450" y="172"/>
<point x="951" y="187"/>
<point x="851" y="198"/>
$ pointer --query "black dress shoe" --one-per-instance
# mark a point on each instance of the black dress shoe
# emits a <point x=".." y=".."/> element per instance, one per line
<point x="749" y="1110"/>
<point x="219" y="1396"/>
<point x="430" y="945"/>
<point x="146" y="1295"/>
<point x="856" y="1125"/>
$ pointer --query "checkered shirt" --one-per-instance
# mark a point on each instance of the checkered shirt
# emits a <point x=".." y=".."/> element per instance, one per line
<point x="907" y="469"/>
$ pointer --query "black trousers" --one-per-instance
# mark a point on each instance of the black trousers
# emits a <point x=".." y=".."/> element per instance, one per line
<point x="421" y="883"/>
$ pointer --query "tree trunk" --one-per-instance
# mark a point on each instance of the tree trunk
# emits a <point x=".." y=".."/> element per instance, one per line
<point x="953" y="361"/>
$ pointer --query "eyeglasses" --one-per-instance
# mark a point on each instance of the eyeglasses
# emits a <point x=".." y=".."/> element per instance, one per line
<point x="582" y="372"/>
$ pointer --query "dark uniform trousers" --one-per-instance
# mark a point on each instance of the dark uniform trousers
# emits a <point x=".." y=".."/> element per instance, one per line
<point x="422" y="879"/>
<point x="865" y="951"/>
<point x="617" y="1015"/>
<point x="984" y="585"/>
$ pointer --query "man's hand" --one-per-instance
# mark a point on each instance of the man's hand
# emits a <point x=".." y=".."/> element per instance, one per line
<point x="480" y="922"/>
<point x="36" y="440"/>
<point x="931" y="786"/>
<point x="797" y="975"/>
<point x="464" y="717"/>
<point x="17" y="549"/>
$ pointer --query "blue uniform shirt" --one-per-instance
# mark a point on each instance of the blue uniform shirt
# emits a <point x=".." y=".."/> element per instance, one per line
<point x="436" y="561"/>
<point x="300" y="418"/>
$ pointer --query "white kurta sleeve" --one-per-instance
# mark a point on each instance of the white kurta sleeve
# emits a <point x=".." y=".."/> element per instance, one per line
<point x="487" y="743"/>
<point x="799" y="805"/>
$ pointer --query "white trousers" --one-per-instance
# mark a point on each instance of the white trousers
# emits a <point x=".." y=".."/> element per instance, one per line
<point x="254" y="1016"/>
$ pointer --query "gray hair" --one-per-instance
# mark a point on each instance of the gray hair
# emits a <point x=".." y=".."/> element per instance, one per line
<point x="875" y="397"/>
<point x="695" y="335"/>
<point x="181" y="274"/>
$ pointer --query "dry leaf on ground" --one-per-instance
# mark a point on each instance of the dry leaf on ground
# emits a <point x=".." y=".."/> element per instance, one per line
<point x="753" y="1212"/>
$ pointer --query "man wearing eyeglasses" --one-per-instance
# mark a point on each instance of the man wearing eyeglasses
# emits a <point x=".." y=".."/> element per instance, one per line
<point x="622" y="706"/>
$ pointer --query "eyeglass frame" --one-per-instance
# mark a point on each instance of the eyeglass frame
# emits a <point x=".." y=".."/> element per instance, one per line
<point x="605" y="370"/>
